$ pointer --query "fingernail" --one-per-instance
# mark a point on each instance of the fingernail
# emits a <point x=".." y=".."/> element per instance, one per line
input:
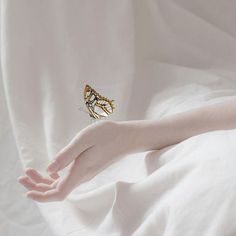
<point x="53" y="167"/>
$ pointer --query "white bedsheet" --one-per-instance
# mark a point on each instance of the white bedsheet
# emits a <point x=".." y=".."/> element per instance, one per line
<point x="131" y="51"/>
<point x="185" y="189"/>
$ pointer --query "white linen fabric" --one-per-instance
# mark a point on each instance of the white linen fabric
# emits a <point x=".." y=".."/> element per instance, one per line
<point x="131" y="51"/>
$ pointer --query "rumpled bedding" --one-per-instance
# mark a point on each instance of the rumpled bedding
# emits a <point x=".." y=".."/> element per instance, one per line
<point x="183" y="189"/>
<point x="154" y="58"/>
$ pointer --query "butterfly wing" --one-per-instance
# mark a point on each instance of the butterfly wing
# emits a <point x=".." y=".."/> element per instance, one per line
<point x="97" y="105"/>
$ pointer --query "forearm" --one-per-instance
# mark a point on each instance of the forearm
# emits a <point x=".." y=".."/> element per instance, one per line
<point x="169" y="130"/>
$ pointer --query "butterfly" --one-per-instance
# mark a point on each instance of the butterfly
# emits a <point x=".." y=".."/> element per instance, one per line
<point x="97" y="105"/>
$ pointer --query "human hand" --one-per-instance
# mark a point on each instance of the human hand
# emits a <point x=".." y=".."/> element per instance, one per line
<point x="90" y="151"/>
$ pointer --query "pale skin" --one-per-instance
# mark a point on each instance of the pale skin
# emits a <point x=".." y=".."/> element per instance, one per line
<point x="100" y="144"/>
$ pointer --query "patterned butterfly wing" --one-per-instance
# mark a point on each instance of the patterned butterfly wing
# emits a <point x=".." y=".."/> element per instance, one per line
<point x="97" y="105"/>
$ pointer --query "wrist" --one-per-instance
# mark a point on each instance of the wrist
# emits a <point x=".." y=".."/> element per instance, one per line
<point x="141" y="135"/>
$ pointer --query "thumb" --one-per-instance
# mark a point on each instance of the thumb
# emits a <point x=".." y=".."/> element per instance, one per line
<point x="68" y="154"/>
